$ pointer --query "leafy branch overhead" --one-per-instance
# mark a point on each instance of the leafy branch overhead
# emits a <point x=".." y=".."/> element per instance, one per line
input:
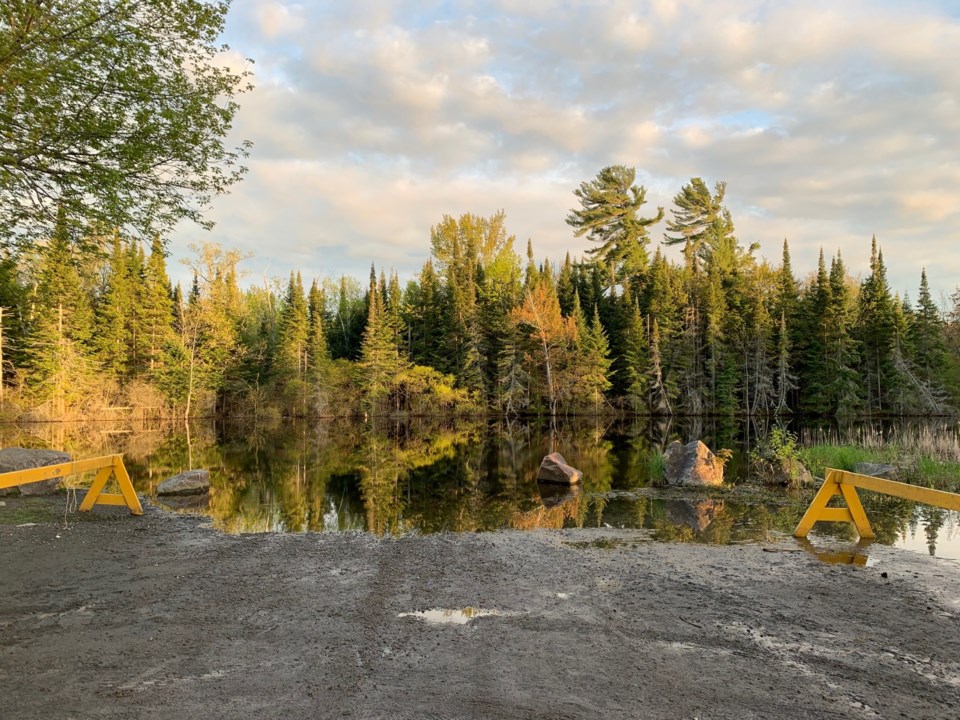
<point x="114" y="111"/>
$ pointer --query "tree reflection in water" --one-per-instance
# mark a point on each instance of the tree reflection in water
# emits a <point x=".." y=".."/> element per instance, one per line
<point x="466" y="475"/>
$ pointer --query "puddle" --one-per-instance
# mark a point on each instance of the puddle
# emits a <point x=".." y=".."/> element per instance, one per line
<point x="444" y="616"/>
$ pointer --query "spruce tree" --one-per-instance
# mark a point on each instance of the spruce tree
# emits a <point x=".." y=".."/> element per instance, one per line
<point x="927" y="336"/>
<point x="156" y="305"/>
<point x="877" y="334"/>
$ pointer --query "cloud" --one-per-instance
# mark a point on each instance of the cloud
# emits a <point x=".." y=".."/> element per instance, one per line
<point x="829" y="121"/>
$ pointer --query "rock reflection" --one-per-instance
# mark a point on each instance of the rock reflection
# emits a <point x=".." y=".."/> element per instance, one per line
<point x="695" y="514"/>
<point x="467" y="475"/>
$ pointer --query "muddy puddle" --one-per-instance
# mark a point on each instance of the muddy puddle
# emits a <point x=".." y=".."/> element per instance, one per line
<point x="443" y="616"/>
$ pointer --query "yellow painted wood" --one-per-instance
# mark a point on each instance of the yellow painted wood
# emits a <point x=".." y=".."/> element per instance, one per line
<point x="857" y="514"/>
<point x="831" y="514"/>
<point x="106" y="466"/>
<point x="927" y="496"/>
<point x="110" y="499"/>
<point x="817" y="506"/>
<point x="126" y="486"/>
<point x="99" y="483"/>
<point x="49" y="472"/>
<point x="846" y="483"/>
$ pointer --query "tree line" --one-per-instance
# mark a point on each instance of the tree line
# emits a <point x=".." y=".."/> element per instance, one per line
<point x="90" y="325"/>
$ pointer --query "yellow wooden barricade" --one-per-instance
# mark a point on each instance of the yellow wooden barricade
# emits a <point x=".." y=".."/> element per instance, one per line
<point x="840" y="482"/>
<point x="107" y="466"/>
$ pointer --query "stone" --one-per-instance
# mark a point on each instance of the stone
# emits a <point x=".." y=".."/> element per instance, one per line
<point x="786" y="472"/>
<point x="554" y="469"/>
<point x="191" y="482"/>
<point x="12" y="459"/>
<point x="693" y="465"/>
<point x="887" y="472"/>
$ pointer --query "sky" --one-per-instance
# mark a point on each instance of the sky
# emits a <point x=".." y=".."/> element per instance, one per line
<point x="372" y="119"/>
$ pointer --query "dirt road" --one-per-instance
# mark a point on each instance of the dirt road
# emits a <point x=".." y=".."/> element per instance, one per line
<point x="158" y="617"/>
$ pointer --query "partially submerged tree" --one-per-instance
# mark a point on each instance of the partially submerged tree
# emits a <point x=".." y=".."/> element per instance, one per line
<point x="114" y="111"/>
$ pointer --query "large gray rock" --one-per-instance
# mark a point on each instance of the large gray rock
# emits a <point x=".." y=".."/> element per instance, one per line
<point x="887" y="472"/>
<point x="554" y="469"/>
<point x="191" y="482"/>
<point x="692" y="464"/>
<point x="13" y="459"/>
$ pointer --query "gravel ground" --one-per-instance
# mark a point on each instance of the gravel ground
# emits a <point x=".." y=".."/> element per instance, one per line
<point x="109" y="616"/>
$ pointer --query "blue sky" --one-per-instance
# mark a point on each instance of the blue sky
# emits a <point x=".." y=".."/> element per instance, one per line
<point x="829" y="121"/>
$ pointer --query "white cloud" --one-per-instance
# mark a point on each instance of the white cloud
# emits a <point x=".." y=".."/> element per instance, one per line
<point x="830" y="121"/>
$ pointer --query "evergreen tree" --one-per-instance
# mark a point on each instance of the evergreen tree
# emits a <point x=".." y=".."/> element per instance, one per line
<point x="608" y="215"/>
<point x="701" y="223"/>
<point x="115" y="310"/>
<point x="843" y="388"/>
<point x="380" y="360"/>
<point x="59" y="370"/>
<point x="637" y="365"/>
<point x="877" y="334"/>
<point x="927" y="336"/>
<point x="292" y="346"/>
<point x="156" y="305"/>
<point x="316" y="336"/>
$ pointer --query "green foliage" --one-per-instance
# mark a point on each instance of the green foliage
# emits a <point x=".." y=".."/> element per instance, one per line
<point x="608" y="215"/>
<point x="839" y="457"/>
<point x="114" y="112"/>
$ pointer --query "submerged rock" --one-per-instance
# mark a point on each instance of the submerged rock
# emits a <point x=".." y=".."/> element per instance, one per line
<point x="693" y="464"/>
<point x="887" y="472"/>
<point x="554" y="469"/>
<point x="191" y="482"/>
<point x="13" y="459"/>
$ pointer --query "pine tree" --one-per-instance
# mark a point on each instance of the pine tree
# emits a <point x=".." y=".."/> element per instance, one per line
<point x="843" y="389"/>
<point x="637" y="356"/>
<point x="876" y="334"/>
<point x="114" y="312"/>
<point x="813" y="372"/>
<point x="566" y="286"/>
<point x="380" y="357"/>
<point x="608" y="215"/>
<point x="58" y="368"/>
<point x="156" y="305"/>
<point x="317" y="354"/>
<point x="927" y="336"/>
<point x="590" y="363"/>
<point x="701" y="222"/>
<point x="292" y="345"/>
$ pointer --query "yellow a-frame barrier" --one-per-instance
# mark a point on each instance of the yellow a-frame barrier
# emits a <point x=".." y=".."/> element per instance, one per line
<point x="841" y="482"/>
<point x="106" y="467"/>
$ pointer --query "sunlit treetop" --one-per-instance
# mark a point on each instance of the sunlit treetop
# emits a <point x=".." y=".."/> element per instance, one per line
<point x="115" y="112"/>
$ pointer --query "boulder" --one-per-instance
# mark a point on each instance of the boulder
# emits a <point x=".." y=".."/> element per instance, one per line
<point x="887" y="472"/>
<point x="692" y="464"/>
<point x="191" y="482"/>
<point x="12" y="459"/>
<point x="787" y="472"/>
<point x="554" y="469"/>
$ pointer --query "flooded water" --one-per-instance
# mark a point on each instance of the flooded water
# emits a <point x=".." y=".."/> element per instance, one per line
<point x="469" y="476"/>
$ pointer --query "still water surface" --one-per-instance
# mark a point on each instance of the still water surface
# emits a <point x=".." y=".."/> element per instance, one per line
<point x="468" y="476"/>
